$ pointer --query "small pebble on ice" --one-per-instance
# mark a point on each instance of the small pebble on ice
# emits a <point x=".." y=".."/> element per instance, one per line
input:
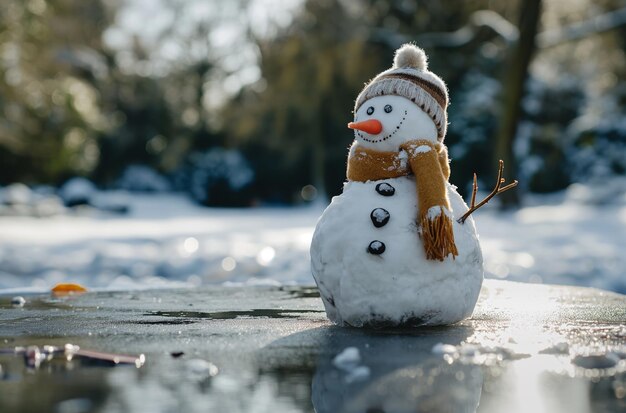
<point x="348" y="359"/>
<point x="18" y="301"/>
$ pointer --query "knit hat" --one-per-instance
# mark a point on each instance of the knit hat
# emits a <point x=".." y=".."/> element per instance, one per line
<point x="409" y="77"/>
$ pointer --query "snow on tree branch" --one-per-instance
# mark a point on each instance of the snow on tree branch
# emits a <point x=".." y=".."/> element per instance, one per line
<point x="458" y="38"/>
<point x="580" y="30"/>
<point x="506" y="30"/>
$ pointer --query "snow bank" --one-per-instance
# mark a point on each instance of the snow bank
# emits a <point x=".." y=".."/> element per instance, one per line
<point x="165" y="240"/>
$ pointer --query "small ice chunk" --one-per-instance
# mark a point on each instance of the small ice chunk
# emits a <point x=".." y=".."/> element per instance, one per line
<point x="348" y="359"/>
<point x="198" y="369"/>
<point x="358" y="374"/>
<point x="33" y="357"/>
<point x="441" y="348"/>
<point x="18" y="301"/>
<point x="558" y="348"/>
<point x="70" y="351"/>
<point x="469" y="350"/>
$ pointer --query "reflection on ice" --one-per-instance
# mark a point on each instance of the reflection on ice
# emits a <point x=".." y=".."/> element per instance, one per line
<point x="537" y="385"/>
<point x="198" y="387"/>
<point x="527" y="348"/>
<point x="425" y="387"/>
<point x="403" y="374"/>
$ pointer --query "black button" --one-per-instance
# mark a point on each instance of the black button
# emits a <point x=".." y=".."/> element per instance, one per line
<point x="380" y="217"/>
<point x="376" y="247"/>
<point x="385" y="189"/>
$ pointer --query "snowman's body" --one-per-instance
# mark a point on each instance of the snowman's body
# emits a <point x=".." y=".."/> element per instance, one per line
<point x="399" y="286"/>
<point x="367" y="257"/>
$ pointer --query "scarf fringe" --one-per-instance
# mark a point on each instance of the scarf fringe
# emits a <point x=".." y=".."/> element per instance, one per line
<point x="438" y="235"/>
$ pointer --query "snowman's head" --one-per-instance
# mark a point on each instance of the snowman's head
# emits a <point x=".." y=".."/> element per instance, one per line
<point x="384" y="123"/>
<point x="403" y="103"/>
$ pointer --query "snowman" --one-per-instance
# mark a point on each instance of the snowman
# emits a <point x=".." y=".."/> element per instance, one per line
<point x="398" y="247"/>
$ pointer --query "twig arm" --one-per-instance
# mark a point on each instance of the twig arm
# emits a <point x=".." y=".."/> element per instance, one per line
<point x="474" y="190"/>
<point x="498" y="189"/>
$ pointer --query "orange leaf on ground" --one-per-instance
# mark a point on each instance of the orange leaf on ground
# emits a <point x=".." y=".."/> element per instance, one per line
<point x="68" y="288"/>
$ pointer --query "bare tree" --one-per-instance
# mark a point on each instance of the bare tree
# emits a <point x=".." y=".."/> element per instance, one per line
<point x="515" y="75"/>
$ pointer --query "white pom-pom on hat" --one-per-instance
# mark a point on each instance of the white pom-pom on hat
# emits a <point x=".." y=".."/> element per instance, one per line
<point x="410" y="56"/>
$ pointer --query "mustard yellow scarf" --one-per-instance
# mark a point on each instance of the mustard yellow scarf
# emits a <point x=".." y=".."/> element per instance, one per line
<point x="428" y="161"/>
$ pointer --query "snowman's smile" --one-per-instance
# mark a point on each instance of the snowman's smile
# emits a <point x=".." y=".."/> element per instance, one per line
<point x="384" y="138"/>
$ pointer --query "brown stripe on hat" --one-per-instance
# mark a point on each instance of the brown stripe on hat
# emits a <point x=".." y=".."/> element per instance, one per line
<point x="429" y="87"/>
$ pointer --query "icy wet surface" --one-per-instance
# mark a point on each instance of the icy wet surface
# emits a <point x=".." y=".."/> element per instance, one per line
<point x="527" y="348"/>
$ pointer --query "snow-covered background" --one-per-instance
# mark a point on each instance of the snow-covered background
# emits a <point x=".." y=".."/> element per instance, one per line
<point x="143" y="131"/>
<point x="162" y="239"/>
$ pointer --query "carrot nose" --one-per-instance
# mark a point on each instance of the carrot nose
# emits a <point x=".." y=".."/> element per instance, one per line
<point x="371" y="126"/>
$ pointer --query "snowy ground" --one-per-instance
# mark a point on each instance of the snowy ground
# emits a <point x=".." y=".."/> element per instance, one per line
<point x="167" y="240"/>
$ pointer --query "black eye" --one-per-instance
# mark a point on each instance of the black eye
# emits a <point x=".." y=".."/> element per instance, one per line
<point x="370" y="110"/>
<point x="388" y="108"/>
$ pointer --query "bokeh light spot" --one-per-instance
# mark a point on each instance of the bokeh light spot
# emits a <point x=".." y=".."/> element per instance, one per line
<point x="229" y="264"/>
<point x="266" y="256"/>
<point x="308" y="192"/>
